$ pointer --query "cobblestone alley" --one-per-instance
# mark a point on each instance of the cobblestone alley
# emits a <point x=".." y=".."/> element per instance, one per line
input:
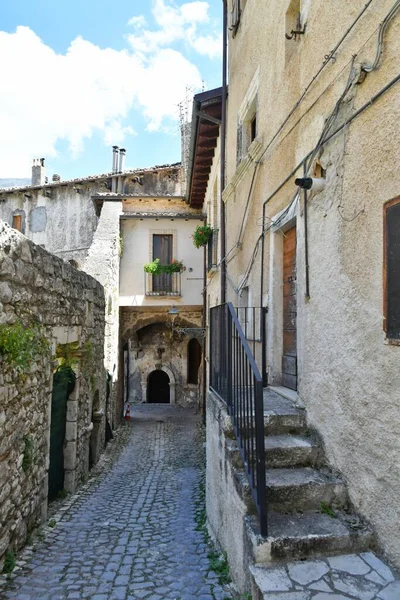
<point x="133" y="534"/>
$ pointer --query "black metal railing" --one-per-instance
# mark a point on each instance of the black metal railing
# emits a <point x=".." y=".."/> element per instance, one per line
<point x="253" y="321"/>
<point x="166" y="284"/>
<point x="236" y="379"/>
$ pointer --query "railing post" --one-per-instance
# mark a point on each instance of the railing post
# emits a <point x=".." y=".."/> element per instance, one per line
<point x="260" y="451"/>
<point x="264" y="312"/>
<point x="229" y="351"/>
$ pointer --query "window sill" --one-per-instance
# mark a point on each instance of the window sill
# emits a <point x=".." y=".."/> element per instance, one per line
<point x="253" y="154"/>
<point x="162" y="294"/>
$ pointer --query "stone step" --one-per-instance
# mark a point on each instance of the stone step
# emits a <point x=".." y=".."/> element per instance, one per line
<point x="288" y="450"/>
<point x="313" y="533"/>
<point x="281" y="415"/>
<point x="302" y="489"/>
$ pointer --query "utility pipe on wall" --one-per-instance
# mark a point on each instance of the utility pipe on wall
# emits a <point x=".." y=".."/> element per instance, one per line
<point x="223" y="151"/>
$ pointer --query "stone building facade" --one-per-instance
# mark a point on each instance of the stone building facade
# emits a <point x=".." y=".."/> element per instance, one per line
<point x="153" y="342"/>
<point x="313" y="93"/>
<point x="79" y="221"/>
<point x="52" y="318"/>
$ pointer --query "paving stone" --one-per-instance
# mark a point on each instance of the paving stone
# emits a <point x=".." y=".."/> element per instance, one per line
<point x="391" y="592"/>
<point x="131" y="533"/>
<point x="383" y="570"/>
<point x="320" y="586"/>
<point x="349" y="563"/>
<point x="272" y="580"/>
<point x="355" y="586"/>
<point x="330" y="597"/>
<point x="308" y="571"/>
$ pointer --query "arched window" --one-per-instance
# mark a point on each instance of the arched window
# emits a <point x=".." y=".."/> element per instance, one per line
<point x="391" y="270"/>
<point x="194" y="360"/>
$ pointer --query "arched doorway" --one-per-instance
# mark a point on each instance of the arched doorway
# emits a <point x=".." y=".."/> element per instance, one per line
<point x="194" y="360"/>
<point x="158" y="388"/>
<point x="63" y="385"/>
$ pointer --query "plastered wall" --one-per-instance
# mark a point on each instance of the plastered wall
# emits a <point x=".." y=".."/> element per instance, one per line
<point x="348" y="373"/>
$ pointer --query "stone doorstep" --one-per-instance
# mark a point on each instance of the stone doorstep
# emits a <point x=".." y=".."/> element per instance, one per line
<point x="362" y="576"/>
<point x="301" y="489"/>
<point x="299" y="536"/>
<point x="281" y="415"/>
<point x="287" y="450"/>
<point x="291" y="490"/>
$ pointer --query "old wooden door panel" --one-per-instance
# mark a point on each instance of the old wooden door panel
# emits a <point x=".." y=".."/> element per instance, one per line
<point x="289" y="358"/>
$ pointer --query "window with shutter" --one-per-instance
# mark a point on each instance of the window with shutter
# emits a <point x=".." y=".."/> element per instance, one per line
<point x="392" y="269"/>
<point x="162" y="249"/>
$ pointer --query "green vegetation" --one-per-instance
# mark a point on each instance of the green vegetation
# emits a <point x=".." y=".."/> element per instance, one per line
<point x="154" y="268"/>
<point x="21" y="346"/>
<point x="9" y="562"/>
<point x="327" y="510"/>
<point x="27" y="459"/>
<point x="219" y="564"/>
<point x="218" y="561"/>
<point x="52" y="523"/>
<point x="201" y="235"/>
<point x="62" y="494"/>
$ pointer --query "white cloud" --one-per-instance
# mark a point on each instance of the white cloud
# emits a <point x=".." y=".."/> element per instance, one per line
<point x="176" y="24"/>
<point x="48" y="97"/>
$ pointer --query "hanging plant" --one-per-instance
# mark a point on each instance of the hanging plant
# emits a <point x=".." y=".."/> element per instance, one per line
<point x="201" y="235"/>
<point x="154" y="268"/>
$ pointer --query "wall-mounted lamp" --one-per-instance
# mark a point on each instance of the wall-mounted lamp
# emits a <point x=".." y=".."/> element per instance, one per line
<point x="195" y="331"/>
<point x="316" y="184"/>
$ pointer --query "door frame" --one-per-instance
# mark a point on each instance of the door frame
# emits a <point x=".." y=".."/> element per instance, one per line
<point x="172" y="381"/>
<point x="281" y="222"/>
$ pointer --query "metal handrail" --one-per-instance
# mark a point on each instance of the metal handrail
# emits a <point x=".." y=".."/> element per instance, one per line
<point x="236" y="379"/>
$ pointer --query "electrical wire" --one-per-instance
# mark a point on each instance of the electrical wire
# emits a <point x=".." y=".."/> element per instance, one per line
<point x="322" y="140"/>
<point x="384" y="25"/>
<point x="327" y="58"/>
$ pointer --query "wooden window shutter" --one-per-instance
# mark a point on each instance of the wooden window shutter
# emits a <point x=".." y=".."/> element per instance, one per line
<point x="17" y="222"/>
<point x="392" y="269"/>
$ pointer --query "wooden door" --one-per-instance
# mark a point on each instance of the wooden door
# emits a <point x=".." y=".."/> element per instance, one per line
<point x="289" y="358"/>
<point x="162" y="249"/>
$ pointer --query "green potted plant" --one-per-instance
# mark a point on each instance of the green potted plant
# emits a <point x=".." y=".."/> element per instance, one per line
<point x="154" y="268"/>
<point x="201" y="235"/>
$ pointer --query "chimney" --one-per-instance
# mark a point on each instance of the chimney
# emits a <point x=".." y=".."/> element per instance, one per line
<point x="38" y="172"/>
<point x="115" y="159"/>
<point x="122" y="154"/>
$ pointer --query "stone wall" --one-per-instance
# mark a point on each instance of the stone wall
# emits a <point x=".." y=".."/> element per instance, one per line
<point x="226" y="506"/>
<point x="62" y="309"/>
<point x="149" y="343"/>
<point x="102" y="262"/>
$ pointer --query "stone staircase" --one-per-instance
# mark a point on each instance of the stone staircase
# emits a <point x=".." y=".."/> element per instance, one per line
<point x="309" y="510"/>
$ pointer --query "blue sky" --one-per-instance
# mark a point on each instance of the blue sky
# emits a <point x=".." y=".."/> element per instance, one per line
<point x="80" y="76"/>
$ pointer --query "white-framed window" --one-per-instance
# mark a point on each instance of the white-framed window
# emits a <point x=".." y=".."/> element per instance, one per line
<point x="247" y="127"/>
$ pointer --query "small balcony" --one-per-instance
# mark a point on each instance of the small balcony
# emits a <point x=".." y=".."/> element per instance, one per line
<point x="165" y="284"/>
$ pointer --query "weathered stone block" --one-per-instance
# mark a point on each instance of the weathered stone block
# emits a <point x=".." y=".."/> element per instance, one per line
<point x="72" y="410"/>
<point x="71" y="431"/>
<point x="5" y="292"/>
<point x="70" y="455"/>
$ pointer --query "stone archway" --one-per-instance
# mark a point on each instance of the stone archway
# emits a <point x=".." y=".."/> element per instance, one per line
<point x="172" y="382"/>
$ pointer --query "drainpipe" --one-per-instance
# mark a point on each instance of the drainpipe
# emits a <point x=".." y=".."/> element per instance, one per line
<point x="223" y="151"/>
<point x="204" y="325"/>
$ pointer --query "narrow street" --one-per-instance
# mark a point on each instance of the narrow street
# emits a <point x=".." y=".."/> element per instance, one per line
<point x="135" y="534"/>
